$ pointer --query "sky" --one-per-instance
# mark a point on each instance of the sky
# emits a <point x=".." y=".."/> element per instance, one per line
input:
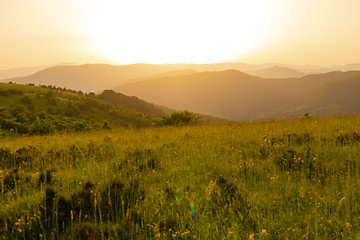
<point x="44" y="32"/>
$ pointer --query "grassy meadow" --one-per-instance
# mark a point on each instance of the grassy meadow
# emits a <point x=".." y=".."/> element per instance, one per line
<point x="291" y="179"/>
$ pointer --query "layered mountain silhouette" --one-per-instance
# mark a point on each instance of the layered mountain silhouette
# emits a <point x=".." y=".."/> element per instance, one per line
<point x="98" y="77"/>
<point x="278" y="72"/>
<point x="92" y="77"/>
<point x="222" y="93"/>
<point x="335" y="93"/>
<point x="238" y="96"/>
<point x="25" y="71"/>
<point x="183" y="72"/>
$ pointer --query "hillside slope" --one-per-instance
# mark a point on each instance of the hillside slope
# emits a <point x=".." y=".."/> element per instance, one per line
<point x="238" y="96"/>
<point x="338" y="96"/>
<point x="41" y="110"/>
<point x="228" y="94"/>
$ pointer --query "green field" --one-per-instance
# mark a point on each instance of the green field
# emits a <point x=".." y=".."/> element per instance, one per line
<point x="291" y="179"/>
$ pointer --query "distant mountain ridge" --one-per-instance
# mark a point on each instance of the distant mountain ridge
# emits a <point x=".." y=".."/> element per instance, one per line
<point x="91" y="77"/>
<point x="26" y="71"/>
<point x="278" y="72"/>
<point x="182" y="72"/>
<point x="229" y="94"/>
<point x="238" y="96"/>
<point x="98" y="77"/>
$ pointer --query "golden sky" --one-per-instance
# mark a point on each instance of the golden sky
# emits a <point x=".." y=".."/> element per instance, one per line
<point x="42" y="32"/>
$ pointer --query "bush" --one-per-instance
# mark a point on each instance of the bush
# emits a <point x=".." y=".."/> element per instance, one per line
<point x="183" y="118"/>
<point x="71" y="110"/>
<point x="26" y="100"/>
<point x="106" y="125"/>
<point x="51" y="98"/>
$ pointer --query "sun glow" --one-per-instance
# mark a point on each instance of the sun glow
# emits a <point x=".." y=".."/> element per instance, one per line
<point x="163" y="31"/>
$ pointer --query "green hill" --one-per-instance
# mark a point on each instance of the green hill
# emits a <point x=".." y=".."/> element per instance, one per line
<point x="28" y="109"/>
<point x="133" y="103"/>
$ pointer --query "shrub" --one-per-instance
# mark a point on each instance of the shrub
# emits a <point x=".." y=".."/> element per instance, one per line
<point x="51" y="98"/>
<point x="26" y="100"/>
<point x="183" y="118"/>
<point x="106" y="125"/>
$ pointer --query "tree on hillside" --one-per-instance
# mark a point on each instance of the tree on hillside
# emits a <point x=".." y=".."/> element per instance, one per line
<point x="91" y="94"/>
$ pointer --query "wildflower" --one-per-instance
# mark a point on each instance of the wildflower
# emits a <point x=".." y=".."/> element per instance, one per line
<point x="348" y="225"/>
<point x="263" y="232"/>
<point x="251" y="237"/>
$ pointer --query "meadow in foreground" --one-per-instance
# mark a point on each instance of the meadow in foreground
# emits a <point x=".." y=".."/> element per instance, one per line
<point x="292" y="179"/>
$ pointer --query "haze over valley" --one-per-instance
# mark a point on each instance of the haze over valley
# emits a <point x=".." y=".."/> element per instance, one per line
<point x="223" y="92"/>
<point x="181" y="119"/>
<point x="237" y="60"/>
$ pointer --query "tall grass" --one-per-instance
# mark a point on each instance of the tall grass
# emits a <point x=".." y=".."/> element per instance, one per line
<point x="264" y="180"/>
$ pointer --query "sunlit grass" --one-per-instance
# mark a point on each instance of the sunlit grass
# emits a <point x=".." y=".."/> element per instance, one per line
<point x="279" y="179"/>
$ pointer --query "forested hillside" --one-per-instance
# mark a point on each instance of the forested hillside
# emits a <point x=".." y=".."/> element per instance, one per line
<point x="29" y="109"/>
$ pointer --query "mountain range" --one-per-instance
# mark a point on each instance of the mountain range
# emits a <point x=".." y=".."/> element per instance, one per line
<point x="98" y="77"/>
<point x="89" y="77"/>
<point x="26" y="71"/>
<point x="238" y="96"/>
<point x="218" y="90"/>
<point x="278" y="72"/>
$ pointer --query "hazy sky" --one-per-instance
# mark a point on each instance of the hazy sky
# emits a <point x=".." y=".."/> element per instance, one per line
<point x="42" y="32"/>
